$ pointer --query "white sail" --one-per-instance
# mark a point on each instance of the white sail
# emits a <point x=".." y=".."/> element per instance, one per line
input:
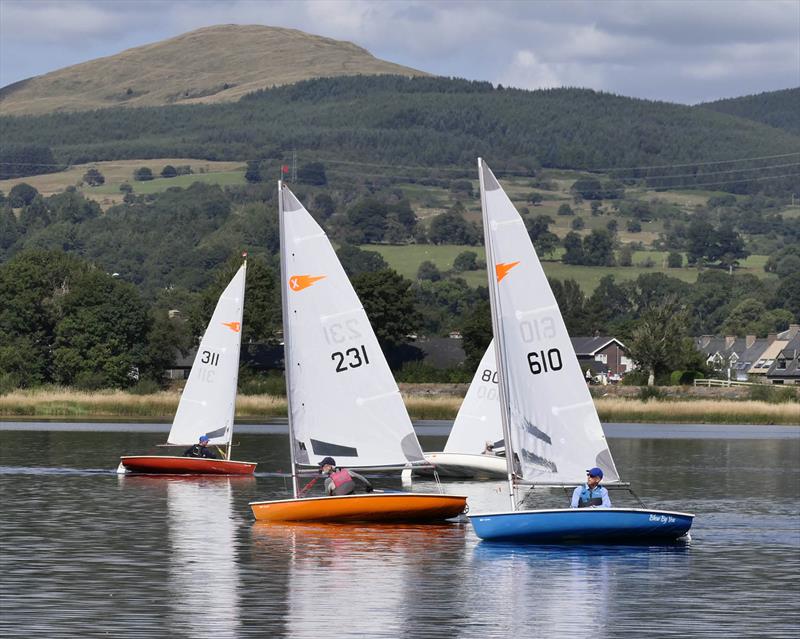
<point x="478" y="420"/>
<point x="343" y="399"/>
<point x="554" y="428"/>
<point x="208" y="401"/>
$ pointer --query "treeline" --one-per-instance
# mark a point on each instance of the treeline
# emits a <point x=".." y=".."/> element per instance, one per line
<point x="779" y="109"/>
<point x="393" y="122"/>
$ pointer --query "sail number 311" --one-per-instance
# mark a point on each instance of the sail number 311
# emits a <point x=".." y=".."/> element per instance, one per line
<point x="351" y="358"/>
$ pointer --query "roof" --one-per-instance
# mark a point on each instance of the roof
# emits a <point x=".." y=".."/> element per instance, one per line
<point x="590" y="346"/>
<point x="766" y="359"/>
<point x="789" y="356"/>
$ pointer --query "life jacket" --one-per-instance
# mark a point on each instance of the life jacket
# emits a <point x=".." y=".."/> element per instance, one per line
<point x="343" y="483"/>
<point x="590" y="497"/>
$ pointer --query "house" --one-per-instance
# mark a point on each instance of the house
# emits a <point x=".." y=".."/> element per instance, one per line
<point x="600" y="353"/>
<point x="785" y="369"/>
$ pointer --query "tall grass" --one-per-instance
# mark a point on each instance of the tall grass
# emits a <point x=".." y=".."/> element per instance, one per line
<point x="65" y="403"/>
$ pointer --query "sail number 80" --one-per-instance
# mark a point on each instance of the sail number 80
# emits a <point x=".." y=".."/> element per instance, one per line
<point x="545" y="361"/>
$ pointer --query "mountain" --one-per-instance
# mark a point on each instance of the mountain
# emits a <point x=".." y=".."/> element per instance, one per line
<point x="210" y="65"/>
<point x="779" y="109"/>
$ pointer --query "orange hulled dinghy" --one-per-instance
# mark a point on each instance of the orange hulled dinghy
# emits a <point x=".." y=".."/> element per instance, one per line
<point x="343" y="399"/>
<point x="208" y="401"/>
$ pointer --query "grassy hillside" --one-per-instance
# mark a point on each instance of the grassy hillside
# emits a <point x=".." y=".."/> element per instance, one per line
<point x="210" y="65"/>
<point x="399" y="127"/>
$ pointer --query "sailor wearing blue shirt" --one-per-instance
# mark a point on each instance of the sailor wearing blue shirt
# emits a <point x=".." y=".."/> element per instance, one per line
<point x="591" y="494"/>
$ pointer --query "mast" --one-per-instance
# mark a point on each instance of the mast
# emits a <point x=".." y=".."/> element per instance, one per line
<point x="286" y="346"/>
<point x="497" y="332"/>
<point x="238" y="354"/>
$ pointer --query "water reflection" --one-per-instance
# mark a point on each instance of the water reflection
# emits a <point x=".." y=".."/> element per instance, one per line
<point x="569" y="590"/>
<point x="373" y="580"/>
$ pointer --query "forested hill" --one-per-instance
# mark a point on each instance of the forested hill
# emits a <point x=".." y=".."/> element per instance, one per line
<point x="214" y="64"/>
<point x="779" y="109"/>
<point x="421" y="121"/>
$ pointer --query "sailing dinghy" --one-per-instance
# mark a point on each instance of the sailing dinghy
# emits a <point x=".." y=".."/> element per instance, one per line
<point x="208" y="400"/>
<point x="552" y="431"/>
<point x="476" y="439"/>
<point x="343" y="399"/>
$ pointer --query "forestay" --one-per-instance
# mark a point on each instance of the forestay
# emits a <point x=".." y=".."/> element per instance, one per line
<point x="208" y="401"/>
<point x="343" y="399"/>
<point x="552" y="421"/>
<point x="478" y="420"/>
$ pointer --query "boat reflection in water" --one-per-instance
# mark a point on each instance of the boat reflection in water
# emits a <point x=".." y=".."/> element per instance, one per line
<point x="367" y="580"/>
<point x="203" y="574"/>
<point x="576" y="590"/>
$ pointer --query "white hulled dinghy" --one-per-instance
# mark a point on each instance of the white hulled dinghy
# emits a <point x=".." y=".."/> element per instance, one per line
<point x="208" y="401"/>
<point x="343" y="400"/>
<point x="475" y="444"/>
<point x="550" y="425"/>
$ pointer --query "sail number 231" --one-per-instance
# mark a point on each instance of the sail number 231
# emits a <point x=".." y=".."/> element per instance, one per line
<point x="351" y="358"/>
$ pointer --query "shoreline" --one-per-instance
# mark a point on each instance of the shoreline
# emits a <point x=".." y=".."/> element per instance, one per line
<point x="111" y="406"/>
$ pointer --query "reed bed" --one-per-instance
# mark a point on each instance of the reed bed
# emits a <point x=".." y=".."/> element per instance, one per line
<point x="71" y="404"/>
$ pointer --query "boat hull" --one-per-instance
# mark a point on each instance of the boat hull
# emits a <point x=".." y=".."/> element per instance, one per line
<point x="584" y="525"/>
<point x="372" y="507"/>
<point x="165" y="465"/>
<point x="464" y="466"/>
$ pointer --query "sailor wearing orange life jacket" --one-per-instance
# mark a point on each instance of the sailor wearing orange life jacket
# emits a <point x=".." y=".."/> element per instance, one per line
<point x="340" y="481"/>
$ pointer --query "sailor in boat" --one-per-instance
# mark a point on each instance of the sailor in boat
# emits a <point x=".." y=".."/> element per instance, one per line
<point x="200" y="449"/>
<point x="591" y="494"/>
<point x="340" y="481"/>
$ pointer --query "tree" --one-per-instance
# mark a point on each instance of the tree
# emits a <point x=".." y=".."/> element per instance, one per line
<point x="389" y="303"/>
<point x="466" y="261"/>
<point x="543" y="239"/>
<point x="657" y="342"/>
<point x="633" y="226"/>
<point x="143" y="174"/>
<point x="429" y="271"/>
<point x="674" y="260"/>
<point x="598" y="248"/>
<point x="125" y="188"/>
<point x="595" y="208"/>
<point x="356" y="261"/>
<point x="169" y="171"/>
<point x="366" y="221"/>
<point x="93" y="177"/>
<point x="451" y="228"/>
<point x="21" y="194"/>
<point x="625" y="256"/>
<point x="323" y="206"/>
<point x="101" y="340"/>
<point x="577" y="224"/>
<point x="573" y="249"/>
<point x="476" y="333"/>
<point x="535" y="198"/>
<point x="253" y="172"/>
<point x="571" y="300"/>
<point x="565" y="209"/>
<point x="312" y="173"/>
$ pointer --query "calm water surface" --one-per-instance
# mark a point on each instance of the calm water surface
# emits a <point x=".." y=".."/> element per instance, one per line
<point x="86" y="553"/>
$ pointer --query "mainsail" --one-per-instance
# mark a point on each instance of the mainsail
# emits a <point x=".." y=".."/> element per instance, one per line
<point x="343" y="399"/>
<point x="208" y="401"/>
<point x="553" y="425"/>
<point x="478" y="420"/>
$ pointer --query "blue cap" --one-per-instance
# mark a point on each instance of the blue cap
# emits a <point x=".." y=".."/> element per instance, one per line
<point x="203" y="438"/>
<point x="328" y="461"/>
<point x="595" y="472"/>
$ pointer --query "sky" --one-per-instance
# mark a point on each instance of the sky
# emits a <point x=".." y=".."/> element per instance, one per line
<point x="684" y="51"/>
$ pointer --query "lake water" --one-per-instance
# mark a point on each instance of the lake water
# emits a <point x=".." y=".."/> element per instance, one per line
<point x="87" y="553"/>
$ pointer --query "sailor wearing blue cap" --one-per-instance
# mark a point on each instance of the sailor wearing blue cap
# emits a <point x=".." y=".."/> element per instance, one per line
<point x="200" y="449"/>
<point x="591" y="494"/>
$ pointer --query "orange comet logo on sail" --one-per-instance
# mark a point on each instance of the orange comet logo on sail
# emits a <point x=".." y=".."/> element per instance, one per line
<point x="502" y="269"/>
<point x="234" y="326"/>
<point x="299" y="282"/>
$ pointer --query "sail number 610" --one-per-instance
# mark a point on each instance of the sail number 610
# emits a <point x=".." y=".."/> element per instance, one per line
<point x="545" y="361"/>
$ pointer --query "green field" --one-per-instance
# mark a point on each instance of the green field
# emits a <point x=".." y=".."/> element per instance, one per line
<point x="406" y="260"/>
<point x="223" y="178"/>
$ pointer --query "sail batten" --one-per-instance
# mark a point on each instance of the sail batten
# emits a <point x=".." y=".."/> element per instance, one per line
<point x="552" y="422"/>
